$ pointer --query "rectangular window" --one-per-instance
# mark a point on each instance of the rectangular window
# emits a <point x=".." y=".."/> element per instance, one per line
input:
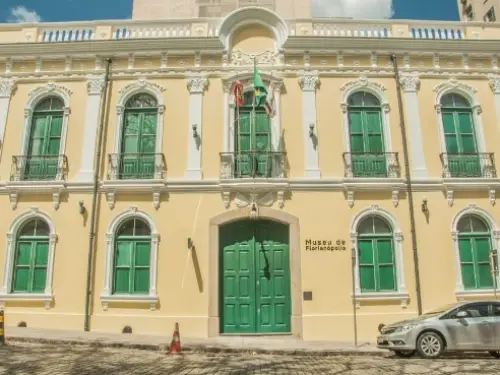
<point x="30" y="269"/>
<point x="377" y="271"/>
<point x="132" y="262"/>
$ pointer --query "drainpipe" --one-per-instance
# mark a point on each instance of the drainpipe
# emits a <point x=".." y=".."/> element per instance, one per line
<point x="93" y="216"/>
<point x="408" y="184"/>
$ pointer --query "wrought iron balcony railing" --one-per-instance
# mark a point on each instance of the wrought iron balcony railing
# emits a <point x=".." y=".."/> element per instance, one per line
<point x="252" y="164"/>
<point x="141" y="166"/>
<point x="39" y="168"/>
<point x="468" y="165"/>
<point x="376" y="165"/>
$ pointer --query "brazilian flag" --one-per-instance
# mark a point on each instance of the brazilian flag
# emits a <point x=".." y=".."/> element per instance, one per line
<point x="260" y="88"/>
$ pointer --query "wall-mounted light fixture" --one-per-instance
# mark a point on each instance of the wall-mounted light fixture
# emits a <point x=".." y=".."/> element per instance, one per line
<point x="195" y="130"/>
<point x="425" y="208"/>
<point x="311" y="130"/>
<point x="81" y="207"/>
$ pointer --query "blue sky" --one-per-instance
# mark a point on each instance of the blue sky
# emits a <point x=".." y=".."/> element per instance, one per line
<point x="79" y="10"/>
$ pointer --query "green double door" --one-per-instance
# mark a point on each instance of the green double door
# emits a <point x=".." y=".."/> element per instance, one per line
<point x="255" y="277"/>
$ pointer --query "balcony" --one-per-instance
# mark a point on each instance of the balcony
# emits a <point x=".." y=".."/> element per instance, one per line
<point x="39" y="168"/>
<point x="252" y="165"/>
<point x="142" y="166"/>
<point x="465" y="165"/>
<point x="372" y="165"/>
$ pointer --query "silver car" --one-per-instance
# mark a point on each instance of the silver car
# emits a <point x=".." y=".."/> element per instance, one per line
<point x="462" y="326"/>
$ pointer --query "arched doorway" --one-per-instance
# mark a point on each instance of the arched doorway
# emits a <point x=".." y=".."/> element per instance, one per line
<point x="254" y="277"/>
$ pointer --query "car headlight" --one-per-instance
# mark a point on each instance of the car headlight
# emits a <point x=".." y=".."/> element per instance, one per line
<point x="406" y="328"/>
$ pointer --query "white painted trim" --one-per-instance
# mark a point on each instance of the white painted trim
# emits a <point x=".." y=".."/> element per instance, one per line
<point x="106" y="294"/>
<point x="152" y="301"/>
<point x="6" y="288"/>
<point x="495" y="87"/>
<point x="196" y="86"/>
<point x="376" y="89"/>
<point x="473" y="210"/>
<point x="35" y="96"/>
<point x="7" y="87"/>
<point x="469" y="93"/>
<point x="410" y="84"/>
<point x="398" y="252"/>
<point x="308" y="82"/>
<point x="142" y="85"/>
<point x="95" y="87"/>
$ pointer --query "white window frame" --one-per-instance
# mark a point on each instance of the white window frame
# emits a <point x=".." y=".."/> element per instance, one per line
<point x="472" y="209"/>
<point x="401" y="293"/>
<point x="453" y="86"/>
<point x="36" y="96"/>
<point x="359" y="85"/>
<point x="150" y="298"/>
<point x="141" y="86"/>
<point x="12" y="235"/>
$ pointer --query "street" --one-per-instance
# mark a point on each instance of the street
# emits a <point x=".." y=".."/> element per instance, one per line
<point x="24" y="358"/>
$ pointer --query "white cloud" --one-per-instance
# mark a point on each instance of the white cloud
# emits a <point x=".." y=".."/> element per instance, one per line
<point x="360" y="9"/>
<point x="21" y="14"/>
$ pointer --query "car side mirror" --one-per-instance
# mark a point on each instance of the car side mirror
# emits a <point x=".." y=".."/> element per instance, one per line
<point x="462" y="314"/>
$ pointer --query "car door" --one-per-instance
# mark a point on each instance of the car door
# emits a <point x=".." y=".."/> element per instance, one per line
<point x="496" y="324"/>
<point x="474" y="331"/>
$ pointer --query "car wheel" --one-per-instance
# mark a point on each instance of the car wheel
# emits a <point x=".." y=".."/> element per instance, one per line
<point x="495" y="354"/>
<point x="404" y="353"/>
<point x="430" y="345"/>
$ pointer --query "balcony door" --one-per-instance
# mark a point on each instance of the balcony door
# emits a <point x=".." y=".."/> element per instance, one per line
<point x="252" y="140"/>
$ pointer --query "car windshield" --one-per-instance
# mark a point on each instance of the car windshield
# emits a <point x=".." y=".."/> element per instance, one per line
<point x="442" y="309"/>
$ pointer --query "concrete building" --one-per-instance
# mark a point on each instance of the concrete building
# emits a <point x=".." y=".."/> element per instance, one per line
<point x="479" y="10"/>
<point x="211" y="213"/>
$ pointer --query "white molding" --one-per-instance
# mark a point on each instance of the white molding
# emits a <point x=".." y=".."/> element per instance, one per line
<point x="7" y="88"/>
<point x="141" y="85"/>
<point x="469" y="93"/>
<point x="308" y="82"/>
<point x="375" y="210"/>
<point x="471" y="209"/>
<point x="376" y="89"/>
<point x="152" y="301"/>
<point x="95" y="88"/>
<point x="106" y="294"/>
<point x="26" y="297"/>
<point x="5" y="289"/>
<point x="411" y="84"/>
<point x="35" y="96"/>
<point x="196" y="86"/>
<point x="462" y="295"/>
<point x="495" y="87"/>
<point x="374" y="297"/>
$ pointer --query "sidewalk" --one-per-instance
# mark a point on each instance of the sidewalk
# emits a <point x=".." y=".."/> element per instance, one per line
<point x="230" y="344"/>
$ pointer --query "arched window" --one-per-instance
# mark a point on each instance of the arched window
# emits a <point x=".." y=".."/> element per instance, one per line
<point x="377" y="264"/>
<point x="132" y="258"/>
<point x="460" y="137"/>
<point x="474" y="244"/>
<point x="366" y="136"/>
<point x="44" y="143"/>
<point x="31" y="257"/>
<point x="252" y="144"/>
<point x="138" y="140"/>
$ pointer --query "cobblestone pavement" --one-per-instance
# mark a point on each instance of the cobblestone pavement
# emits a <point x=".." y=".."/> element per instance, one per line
<point x="24" y="358"/>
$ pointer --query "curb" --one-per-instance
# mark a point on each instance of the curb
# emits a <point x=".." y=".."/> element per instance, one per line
<point x="200" y="348"/>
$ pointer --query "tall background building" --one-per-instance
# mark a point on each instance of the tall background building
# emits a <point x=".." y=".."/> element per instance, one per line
<point x="162" y="9"/>
<point x="479" y="10"/>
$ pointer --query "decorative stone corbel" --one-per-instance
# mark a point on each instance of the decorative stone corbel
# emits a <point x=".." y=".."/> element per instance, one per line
<point x="281" y="199"/>
<point x="253" y="201"/>
<point x="156" y="199"/>
<point x="350" y="198"/>
<point x="105" y="306"/>
<point x="395" y="197"/>
<point x="226" y="198"/>
<point x="56" y="199"/>
<point x="13" y="198"/>
<point x="110" y="197"/>
<point x="152" y="306"/>
<point x="404" y="303"/>
<point x="47" y="303"/>
<point x="449" y="197"/>
<point x="492" y="196"/>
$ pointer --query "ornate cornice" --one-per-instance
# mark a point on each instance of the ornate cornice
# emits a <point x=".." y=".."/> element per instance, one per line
<point x="197" y="84"/>
<point x="95" y="85"/>
<point x="410" y="82"/>
<point x="48" y="88"/>
<point x="7" y="87"/>
<point x="142" y="83"/>
<point x="453" y="83"/>
<point x="362" y="81"/>
<point x="308" y="81"/>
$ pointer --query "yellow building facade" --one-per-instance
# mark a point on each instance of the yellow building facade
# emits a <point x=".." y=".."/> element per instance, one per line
<point x="139" y="190"/>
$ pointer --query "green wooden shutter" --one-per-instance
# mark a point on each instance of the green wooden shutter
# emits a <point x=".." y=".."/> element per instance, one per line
<point x="130" y="145"/>
<point x="53" y="146"/>
<point x="123" y="260"/>
<point x="147" y="146"/>
<point x="386" y="271"/>
<point x="244" y="146"/>
<point x="262" y="145"/>
<point x="482" y="247"/>
<point x="375" y="144"/>
<point x="40" y="260"/>
<point x="141" y="266"/>
<point x="366" y="261"/>
<point x="467" y="263"/>
<point x="22" y="267"/>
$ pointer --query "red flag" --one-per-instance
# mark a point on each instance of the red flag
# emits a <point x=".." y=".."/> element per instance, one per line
<point x="238" y="93"/>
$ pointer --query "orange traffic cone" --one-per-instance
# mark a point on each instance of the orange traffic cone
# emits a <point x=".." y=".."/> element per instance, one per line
<point x="175" y="344"/>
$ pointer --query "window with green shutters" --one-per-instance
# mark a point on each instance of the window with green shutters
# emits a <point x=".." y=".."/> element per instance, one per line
<point x="31" y="258"/>
<point x="44" y="144"/>
<point x="474" y="244"/>
<point x="366" y="136"/>
<point x="252" y="140"/>
<point x="376" y="260"/>
<point x="132" y="258"/>
<point x="460" y="137"/>
<point x="138" y="146"/>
